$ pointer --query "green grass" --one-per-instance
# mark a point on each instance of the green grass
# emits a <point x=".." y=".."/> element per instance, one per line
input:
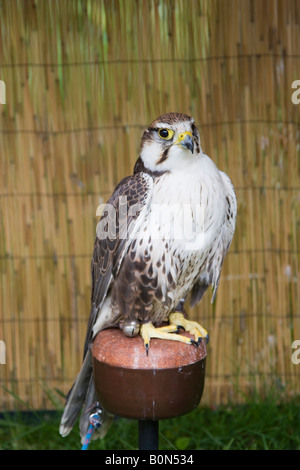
<point x="257" y="425"/>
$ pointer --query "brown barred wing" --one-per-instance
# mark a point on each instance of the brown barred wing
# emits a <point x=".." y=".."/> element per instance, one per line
<point x="121" y="218"/>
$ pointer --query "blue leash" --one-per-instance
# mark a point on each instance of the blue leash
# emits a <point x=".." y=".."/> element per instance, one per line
<point x="95" y="423"/>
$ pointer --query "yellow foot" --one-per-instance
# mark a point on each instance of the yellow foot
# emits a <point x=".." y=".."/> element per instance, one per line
<point x="148" y="331"/>
<point x="192" y="327"/>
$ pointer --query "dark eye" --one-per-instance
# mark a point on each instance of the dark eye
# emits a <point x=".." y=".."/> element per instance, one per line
<point x="166" y="134"/>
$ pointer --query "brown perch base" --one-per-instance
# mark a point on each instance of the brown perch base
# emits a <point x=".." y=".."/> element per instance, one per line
<point x="168" y="382"/>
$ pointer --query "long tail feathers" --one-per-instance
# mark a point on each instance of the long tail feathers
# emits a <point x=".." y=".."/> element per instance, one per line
<point x="82" y="395"/>
<point x="77" y="396"/>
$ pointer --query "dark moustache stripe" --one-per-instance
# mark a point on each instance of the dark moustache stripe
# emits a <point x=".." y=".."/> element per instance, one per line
<point x="163" y="157"/>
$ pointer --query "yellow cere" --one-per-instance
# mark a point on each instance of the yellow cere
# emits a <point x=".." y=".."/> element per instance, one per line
<point x="183" y="135"/>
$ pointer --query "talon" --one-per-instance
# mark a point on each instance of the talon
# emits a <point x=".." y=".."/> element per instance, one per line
<point x="148" y="331"/>
<point x="192" y="327"/>
<point x="195" y="343"/>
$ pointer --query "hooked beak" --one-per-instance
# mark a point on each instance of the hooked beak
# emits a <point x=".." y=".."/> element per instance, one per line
<point x="185" y="140"/>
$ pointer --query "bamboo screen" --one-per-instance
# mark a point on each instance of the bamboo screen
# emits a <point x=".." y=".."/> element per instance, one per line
<point x="82" y="80"/>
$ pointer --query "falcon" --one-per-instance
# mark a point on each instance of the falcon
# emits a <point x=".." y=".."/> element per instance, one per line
<point x="161" y="241"/>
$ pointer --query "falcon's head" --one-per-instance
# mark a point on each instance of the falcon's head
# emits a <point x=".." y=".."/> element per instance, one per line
<point x="170" y="142"/>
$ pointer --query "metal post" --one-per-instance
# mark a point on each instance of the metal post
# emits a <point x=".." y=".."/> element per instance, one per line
<point x="148" y="435"/>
